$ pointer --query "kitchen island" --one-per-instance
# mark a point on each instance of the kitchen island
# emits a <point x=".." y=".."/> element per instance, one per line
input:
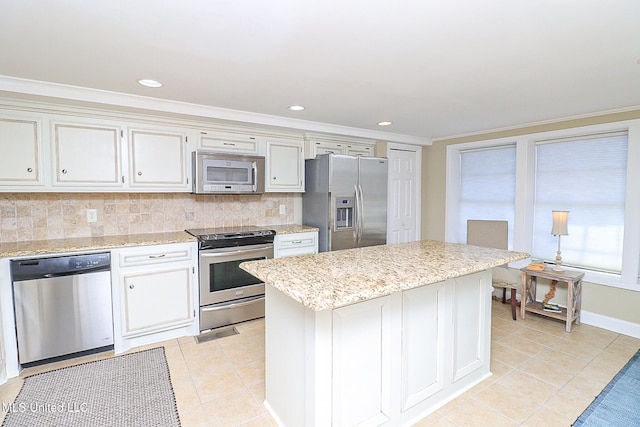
<point x="381" y="335"/>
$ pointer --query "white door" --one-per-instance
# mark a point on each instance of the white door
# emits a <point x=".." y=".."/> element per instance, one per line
<point x="403" y="216"/>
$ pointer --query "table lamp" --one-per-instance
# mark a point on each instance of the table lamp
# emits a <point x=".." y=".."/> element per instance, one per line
<point x="559" y="228"/>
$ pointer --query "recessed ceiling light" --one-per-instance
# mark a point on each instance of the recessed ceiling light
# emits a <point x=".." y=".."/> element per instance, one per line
<point x="384" y="123"/>
<point x="296" y="108"/>
<point x="150" y="83"/>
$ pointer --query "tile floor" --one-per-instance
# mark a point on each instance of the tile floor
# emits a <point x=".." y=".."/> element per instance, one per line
<point x="543" y="376"/>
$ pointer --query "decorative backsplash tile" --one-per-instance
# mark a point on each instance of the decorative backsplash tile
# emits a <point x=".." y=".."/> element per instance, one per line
<point x="40" y="216"/>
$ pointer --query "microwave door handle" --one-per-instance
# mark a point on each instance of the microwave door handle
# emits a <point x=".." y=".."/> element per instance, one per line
<point x="254" y="173"/>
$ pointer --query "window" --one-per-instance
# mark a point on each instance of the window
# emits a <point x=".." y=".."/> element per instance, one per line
<point x="586" y="176"/>
<point x="592" y="171"/>
<point x="487" y="186"/>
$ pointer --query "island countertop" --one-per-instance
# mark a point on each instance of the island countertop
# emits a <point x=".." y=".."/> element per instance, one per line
<point x="334" y="279"/>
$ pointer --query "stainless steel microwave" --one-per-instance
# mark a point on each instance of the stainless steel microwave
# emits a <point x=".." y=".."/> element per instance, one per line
<point x="215" y="173"/>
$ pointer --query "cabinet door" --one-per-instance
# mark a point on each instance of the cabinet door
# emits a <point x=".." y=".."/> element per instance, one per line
<point x="20" y="145"/>
<point x="228" y="141"/>
<point x="155" y="299"/>
<point x="157" y="160"/>
<point x="325" y="147"/>
<point x="86" y="155"/>
<point x="359" y="150"/>
<point x="284" y="166"/>
<point x="362" y="363"/>
<point x="295" y="244"/>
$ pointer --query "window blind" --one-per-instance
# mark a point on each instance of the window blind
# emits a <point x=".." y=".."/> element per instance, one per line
<point x="586" y="176"/>
<point x="487" y="186"/>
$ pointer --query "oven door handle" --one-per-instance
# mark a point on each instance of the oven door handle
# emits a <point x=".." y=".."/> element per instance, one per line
<point x="233" y="305"/>
<point x="207" y="254"/>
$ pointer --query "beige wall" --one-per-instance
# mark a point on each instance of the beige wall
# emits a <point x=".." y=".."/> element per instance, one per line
<point x="39" y="216"/>
<point x="604" y="300"/>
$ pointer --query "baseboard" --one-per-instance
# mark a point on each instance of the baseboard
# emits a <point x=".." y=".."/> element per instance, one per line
<point x="610" y="323"/>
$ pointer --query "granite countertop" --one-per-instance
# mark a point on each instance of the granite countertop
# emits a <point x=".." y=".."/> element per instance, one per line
<point x="78" y="244"/>
<point x="333" y="279"/>
<point x="290" y="228"/>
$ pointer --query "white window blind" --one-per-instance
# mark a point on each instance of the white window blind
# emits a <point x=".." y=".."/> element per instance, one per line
<point x="586" y="176"/>
<point x="487" y="186"/>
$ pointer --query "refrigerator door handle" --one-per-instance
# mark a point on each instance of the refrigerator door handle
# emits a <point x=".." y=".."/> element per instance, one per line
<point x="356" y="216"/>
<point x="359" y="208"/>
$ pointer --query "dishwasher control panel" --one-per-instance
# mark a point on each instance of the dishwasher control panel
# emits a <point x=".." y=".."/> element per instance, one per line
<point x="35" y="268"/>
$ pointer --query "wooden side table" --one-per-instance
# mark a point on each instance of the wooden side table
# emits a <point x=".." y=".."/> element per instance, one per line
<point x="574" y="294"/>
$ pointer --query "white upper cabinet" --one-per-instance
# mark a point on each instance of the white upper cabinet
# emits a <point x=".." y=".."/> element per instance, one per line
<point x="21" y="148"/>
<point x="322" y="144"/>
<point x="85" y="155"/>
<point x="359" y="150"/>
<point x="326" y="147"/>
<point x="157" y="159"/>
<point x="284" y="165"/>
<point x="228" y="141"/>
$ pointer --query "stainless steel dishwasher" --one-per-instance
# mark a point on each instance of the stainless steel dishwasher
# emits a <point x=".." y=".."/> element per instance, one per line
<point x="62" y="306"/>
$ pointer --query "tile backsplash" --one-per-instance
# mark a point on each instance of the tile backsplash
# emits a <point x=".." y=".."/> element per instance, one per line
<point x="40" y="216"/>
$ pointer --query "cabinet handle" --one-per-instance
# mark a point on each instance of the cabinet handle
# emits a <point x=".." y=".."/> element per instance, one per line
<point x="139" y="173"/>
<point x="156" y="256"/>
<point x="229" y="143"/>
<point x="296" y="242"/>
<point x="64" y="171"/>
<point x="29" y="169"/>
<point x="274" y="178"/>
<point x="131" y="286"/>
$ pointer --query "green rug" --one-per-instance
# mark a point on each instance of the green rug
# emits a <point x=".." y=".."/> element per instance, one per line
<point x="129" y="390"/>
<point x="619" y="403"/>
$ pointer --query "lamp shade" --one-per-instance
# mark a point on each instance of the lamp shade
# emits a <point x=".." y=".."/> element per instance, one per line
<point x="560" y="219"/>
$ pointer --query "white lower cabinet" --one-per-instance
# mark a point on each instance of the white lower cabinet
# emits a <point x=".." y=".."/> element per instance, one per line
<point x="388" y="361"/>
<point x="362" y="363"/>
<point x="154" y="293"/>
<point x="295" y="244"/>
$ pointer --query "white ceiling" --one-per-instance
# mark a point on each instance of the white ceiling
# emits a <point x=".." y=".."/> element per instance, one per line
<point x="433" y="68"/>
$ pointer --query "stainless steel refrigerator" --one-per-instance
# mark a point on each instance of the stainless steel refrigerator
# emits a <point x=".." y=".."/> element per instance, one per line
<point x="346" y="199"/>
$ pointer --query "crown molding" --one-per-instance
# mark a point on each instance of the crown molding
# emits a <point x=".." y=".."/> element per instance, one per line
<point x="96" y="96"/>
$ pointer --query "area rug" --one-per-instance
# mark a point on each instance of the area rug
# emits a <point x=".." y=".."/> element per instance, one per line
<point x="129" y="390"/>
<point x="619" y="403"/>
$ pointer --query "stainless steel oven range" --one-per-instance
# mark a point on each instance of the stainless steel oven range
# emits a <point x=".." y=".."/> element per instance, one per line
<point x="229" y="294"/>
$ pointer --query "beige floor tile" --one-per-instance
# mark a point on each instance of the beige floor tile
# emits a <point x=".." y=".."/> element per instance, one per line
<point x="251" y="373"/>
<point x="264" y="420"/>
<point x="185" y="393"/>
<point x="545" y="417"/>
<point x="568" y="404"/>
<point x="509" y="402"/>
<point x="241" y="354"/>
<point x="474" y="413"/>
<point x="435" y="420"/>
<point x="505" y="353"/>
<point x="537" y="336"/>
<point x="232" y="409"/>
<point x="217" y="386"/>
<point x="193" y="417"/>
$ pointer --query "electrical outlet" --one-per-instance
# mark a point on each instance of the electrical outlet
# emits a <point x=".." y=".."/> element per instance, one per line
<point x="92" y="215"/>
<point x="283" y="209"/>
